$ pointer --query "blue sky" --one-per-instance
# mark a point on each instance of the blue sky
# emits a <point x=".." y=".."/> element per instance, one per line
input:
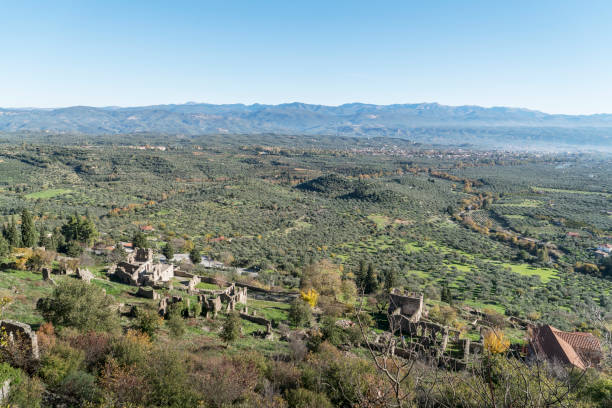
<point x="554" y="56"/>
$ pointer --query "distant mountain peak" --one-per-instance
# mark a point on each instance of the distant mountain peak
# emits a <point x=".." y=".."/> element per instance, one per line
<point x="350" y="119"/>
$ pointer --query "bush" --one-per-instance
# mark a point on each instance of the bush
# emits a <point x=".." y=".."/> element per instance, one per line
<point x="26" y="393"/>
<point x="231" y="328"/>
<point x="95" y="346"/>
<point x="166" y="372"/>
<point x="300" y="313"/>
<point x="130" y="349"/>
<point x="9" y="373"/>
<point x="303" y="398"/>
<point x="148" y="321"/>
<point x="80" y="385"/>
<point x="176" y="325"/>
<point x="81" y="305"/>
<point x="60" y="361"/>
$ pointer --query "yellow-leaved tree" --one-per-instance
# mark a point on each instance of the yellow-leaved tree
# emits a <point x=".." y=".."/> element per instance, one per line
<point x="310" y="296"/>
<point x="495" y="342"/>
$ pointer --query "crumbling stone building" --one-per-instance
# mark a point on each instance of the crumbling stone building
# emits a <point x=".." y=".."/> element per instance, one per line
<point x="407" y="305"/>
<point x="139" y="270"/>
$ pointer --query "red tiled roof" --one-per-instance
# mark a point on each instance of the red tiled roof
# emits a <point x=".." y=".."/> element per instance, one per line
<point x="564" y="346"/>
<point x="577" y="340"/>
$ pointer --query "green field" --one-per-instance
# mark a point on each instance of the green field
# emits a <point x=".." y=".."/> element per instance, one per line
<point x="545" y="274"/>
<point x="50" y="193"/>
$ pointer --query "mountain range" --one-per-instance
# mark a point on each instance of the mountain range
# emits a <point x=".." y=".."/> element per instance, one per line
<point x="423" y="122"/>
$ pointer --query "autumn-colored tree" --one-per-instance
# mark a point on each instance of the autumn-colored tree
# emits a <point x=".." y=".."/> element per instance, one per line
<point x="495" y="342"/>
<point x="310" y="296"/>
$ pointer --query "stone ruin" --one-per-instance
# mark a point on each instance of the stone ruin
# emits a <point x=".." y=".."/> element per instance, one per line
<point x="210" y="306"/>
<point x="406" y="321"/>
<point x="140" y="270"/>
<point x="165" y="303"/>
<point x="234" y="294"/>
<point x="259" y="320"/>
<point x="22" y="337"/>
<point x="407" y="305"/>
<point x="85" y="274"/>
<point x="147" y="292"/>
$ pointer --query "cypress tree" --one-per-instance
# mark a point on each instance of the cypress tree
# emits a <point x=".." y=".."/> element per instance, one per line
<point x="370" y="284"/>
<point x="390" y="280"/>
<point x="4" y="246"/>
<point x="12" y="234"/>
<point x="28" y="232"/>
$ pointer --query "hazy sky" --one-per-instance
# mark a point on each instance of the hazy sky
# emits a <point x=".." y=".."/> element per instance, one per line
<point x="554" y="56"/>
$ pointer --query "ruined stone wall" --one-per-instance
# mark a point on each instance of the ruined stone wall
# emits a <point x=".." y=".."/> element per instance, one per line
<point x="21" y="335"/>
<point x="409" y="305"/>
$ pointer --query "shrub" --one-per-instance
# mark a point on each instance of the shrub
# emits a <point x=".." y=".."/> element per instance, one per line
<point x="60" y="361"/>
<point x="123" y="385"/>
<point x="46" y="337"/>
<point x="95" y="346"/>
<point x="176" y="325"/>
<point x="9" y="373"/>
<point x="303" y="398"/>
<point x="166" y="372"/>
<point x="148" y="321"/>
<point x="80" y="385"/>
<point x="130" y="349"/>
<point x="26" y="393"/>
<point x="224" y="380"/>
<point x="81" y="305"/>
<point x="231" y="328"/>
<point x="299" y="313"/>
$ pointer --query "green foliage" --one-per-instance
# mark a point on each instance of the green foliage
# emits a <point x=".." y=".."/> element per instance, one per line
<point x="28" y="230"/>
<point x="303" y="398"/>
<point x="118" y="254"/>
<point x="176" y="325"/>
<point x="10" y="373"/>
<point x="139" y="240"/>
<point x="11" y="234"/>
<point x="195" y="257"/>
<point x="27" y="393"/>
<point x="80" y="385"/>
<point x="231" y="328"/>
<point x="300" y="313"/>
<point x="59" y="362"/>
<point x="168" y="251"/>
<point x="80" y="229"/>
<point x="147" y="321"/>
<point x="72" y="249"/>
<point x="4" y="247"/>
<point x="81" y="305"/>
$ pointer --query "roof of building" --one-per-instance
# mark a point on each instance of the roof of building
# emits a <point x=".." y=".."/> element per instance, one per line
<point x="566" y="347"/>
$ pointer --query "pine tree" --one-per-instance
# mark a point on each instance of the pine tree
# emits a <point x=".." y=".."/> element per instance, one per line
<point x="28" y="231"/>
